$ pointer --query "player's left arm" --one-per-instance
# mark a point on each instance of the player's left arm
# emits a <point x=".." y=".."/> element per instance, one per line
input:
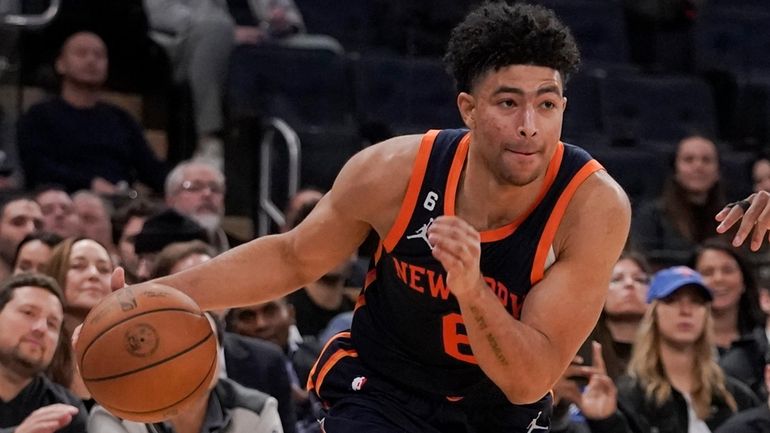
<point x="525" y="358"/>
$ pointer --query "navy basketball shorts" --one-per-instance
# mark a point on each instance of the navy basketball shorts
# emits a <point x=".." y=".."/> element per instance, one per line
<point x="358" y="400"/>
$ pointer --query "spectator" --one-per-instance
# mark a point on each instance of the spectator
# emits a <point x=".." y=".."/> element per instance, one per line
<point x="199" y="36"/>
<point x="34" y="252"/>
<point x="126" y="224"/>
<point x="674" y="383"/>
<point x="19" y="216"/>
<point x="668" y="229"/>
<point x="197" y="189"/>
<point x="31" y="318"/>
<point x="95" y="216"/>
<point x="274" y="321"/>
<point x="59" y="214"/>
<point x="83" y="268"/>
<point x="735" y="308"/>
<point x="760" y="173"/>
<point x="78" y="141"/>
<point x="227" y="407"/>
<point x="250" y="362"/>
<point x="160" y="231"/>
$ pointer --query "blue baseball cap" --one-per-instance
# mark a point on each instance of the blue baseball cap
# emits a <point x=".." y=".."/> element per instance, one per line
<point x="669" y="280"/>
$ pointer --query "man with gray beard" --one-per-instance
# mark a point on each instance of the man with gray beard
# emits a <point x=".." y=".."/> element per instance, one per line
<point x="31" y="317"/>
<point x="197" y="189"/>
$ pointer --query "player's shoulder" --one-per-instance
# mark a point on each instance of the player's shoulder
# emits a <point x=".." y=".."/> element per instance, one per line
<point x="382" y="167"/>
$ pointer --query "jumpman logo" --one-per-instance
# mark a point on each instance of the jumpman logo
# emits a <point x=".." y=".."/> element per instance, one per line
<point x="422" y="233"/>
<point x="533" y="425"/>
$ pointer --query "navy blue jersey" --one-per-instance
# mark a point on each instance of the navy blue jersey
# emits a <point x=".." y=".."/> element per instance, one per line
<point x="407" y="324"/>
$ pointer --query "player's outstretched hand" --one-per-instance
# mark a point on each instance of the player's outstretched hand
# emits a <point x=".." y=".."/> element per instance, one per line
<point x="48" y="419"/>
<point x="753" y="213"/>
<point x="457" y="245"/>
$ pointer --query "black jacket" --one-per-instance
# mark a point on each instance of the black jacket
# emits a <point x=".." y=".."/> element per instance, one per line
<point x="639" y="414"/>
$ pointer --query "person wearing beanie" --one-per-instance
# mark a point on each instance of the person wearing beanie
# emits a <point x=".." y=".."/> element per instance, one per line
<point x="165" y="228"/>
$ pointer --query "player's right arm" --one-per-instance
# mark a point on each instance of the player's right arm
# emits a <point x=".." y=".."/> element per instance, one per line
<point x="366" y="194"/>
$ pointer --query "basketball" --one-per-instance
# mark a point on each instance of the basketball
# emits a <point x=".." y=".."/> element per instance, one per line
<point x="146" y="351"/>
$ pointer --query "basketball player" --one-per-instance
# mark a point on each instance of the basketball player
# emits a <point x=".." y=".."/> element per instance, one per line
<point x="497" y="244"/>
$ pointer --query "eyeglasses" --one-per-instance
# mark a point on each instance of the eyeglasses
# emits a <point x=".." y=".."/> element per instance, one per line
<point x="199" y="185"/>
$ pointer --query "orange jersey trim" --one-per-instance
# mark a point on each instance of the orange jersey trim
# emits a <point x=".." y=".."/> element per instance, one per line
<point x="552" y="225"/>
<point x="412" y="191"/>
<point x="508" y="229"/>
<point x="310" y="384"/>
<point x="333" y="360"/>
<point x="455" y="171"/>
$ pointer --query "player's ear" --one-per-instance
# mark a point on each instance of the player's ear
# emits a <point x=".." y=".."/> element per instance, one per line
<point x="467" y="106"/>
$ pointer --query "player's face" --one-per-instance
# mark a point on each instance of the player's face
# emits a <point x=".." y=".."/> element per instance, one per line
<point x="33" y="257"/>
<point x="516" y="115"/>
<point x="697" y="165"/>
<point x="30" y="324"/>
<point x="88" y="277"/>
<point x="681" y="316"/>
<point x="269" y="321"/>
<point x="723" y="276"/>
<point x="627" y="290"/>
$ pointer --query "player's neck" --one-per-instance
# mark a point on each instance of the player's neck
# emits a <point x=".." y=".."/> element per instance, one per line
<point x="11" y="383"/>
<point x="487" y="202"/>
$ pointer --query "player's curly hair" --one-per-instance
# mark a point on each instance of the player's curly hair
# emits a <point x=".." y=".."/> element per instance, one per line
<point x="496" y="35"/>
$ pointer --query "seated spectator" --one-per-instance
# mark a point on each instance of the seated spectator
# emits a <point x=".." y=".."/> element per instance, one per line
<point x="197" y="189"/>
<point x="735" y="308"/>
<point x="31" y="318"/>
<point x="273" y="321"/>
<point x="95" y="214"/>
<point x="250" y="362"/>
<point x="668" y="229"/>
<point x="199" y="36"/>
<point x="127" y="222"/>
<point x="673" y="383"/>
<point x="34" y="252"/>
<point x="82" y="267"/>
<point x="760" y="173"/>
<point x="78" y="141"/>
<point x="227" y="407"/>
<point x="19" y="217"/>
<point x="59" y="214"/>
<point x="159" y="231"/>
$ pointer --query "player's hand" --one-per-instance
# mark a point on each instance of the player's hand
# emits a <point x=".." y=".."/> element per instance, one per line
<point x="457" y="245"/>
<point x="599" y="399"/>
<point x="48" y="419"/>
<point x="753" y="214"/>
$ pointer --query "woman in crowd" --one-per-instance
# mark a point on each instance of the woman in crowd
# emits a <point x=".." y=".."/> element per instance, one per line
<point x="674" y="383"/>
<point x="34" y="252"/>
<point x="82" y="267"/>
<point x="668" y="228"/>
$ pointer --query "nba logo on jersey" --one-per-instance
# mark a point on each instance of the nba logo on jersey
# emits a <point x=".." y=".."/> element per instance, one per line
<point x="358" y="383"/>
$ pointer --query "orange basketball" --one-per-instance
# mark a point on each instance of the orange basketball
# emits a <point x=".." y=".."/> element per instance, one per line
<point x="146" y="351"/>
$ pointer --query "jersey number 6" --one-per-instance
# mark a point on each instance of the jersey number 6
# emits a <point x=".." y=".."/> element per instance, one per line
<point x="455" y="338"/>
